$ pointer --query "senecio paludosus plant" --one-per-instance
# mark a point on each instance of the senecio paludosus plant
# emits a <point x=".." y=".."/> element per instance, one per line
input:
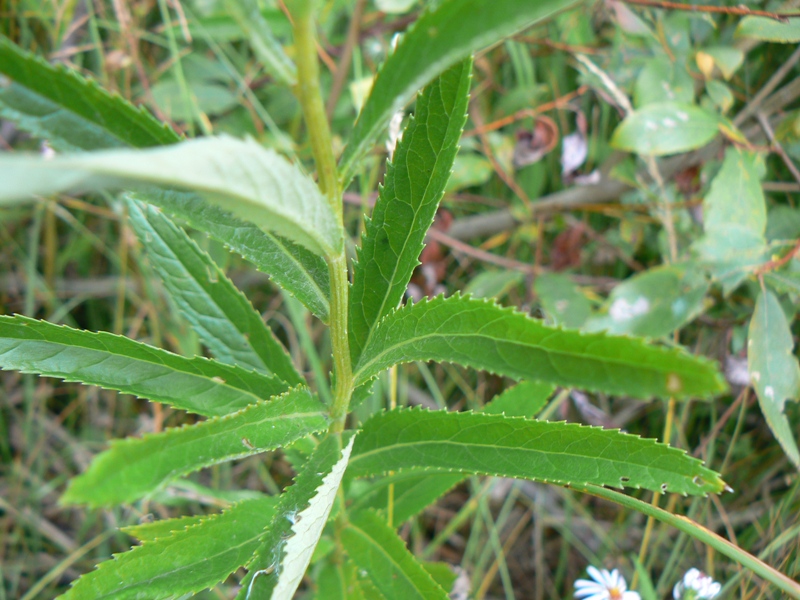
<point x="352" y="478"/>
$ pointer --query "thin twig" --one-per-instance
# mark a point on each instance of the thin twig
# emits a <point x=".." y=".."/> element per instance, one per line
<point x="776" y="146"/>
<point x="561" y="102"/>
<point x="777" y="263"/>
<point x="727" y="10"/>
<point x="755" y="103"/>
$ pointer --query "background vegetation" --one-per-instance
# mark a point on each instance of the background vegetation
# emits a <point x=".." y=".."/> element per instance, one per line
<point x="613" y="239"/>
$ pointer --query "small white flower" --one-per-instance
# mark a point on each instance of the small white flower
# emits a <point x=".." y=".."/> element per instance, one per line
<point x="695" y="585"/>
<point x="606" y="586"/>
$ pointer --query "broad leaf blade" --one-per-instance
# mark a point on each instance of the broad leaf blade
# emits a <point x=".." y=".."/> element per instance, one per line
<point x="286" y="547"/>
<point x="561" y="453"/>
<point x="480" y="334"/>
<point x="415" y="182"/>
<point x="774" y="369"/>
<point x="666" y="128"/>
<point x="70" y="112"/>
<point x="526" y="399"/>
<point x="184" y="561"/>
<point x="653" y="303"/>
<point x="769" y="30"/>
<point x="134" y="467"/>
<point x="297" y="270"/>
<point x="440" y="38"/>
<point x="114" y="362"/>
<point x="376" y="549"/>
<point x="241" y="176"/>
<point x="734" y="219"/>
<point x="223" y="318"/>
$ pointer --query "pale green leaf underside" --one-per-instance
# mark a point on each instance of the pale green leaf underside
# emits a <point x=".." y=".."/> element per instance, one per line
<point x="197" y="556"/>
<point x="297" y="270"/>
<point x="666" y="128"/>
<point x="199" y="385"/>
<point x="375" y="548"/>
<point x="413" y="492"/>
<point x="439" y="39"/>
<point x="254" y="183"/>
<point x="57" y="104"/>
<point x="133" y="467"/>
<point x="774" y="369"/>
<point x="480" y="334"/>
<point x="220" y="314"/>
<point x="288" y="542"/>
<point x="414" y="184"/>
<point x="563" y="453"/>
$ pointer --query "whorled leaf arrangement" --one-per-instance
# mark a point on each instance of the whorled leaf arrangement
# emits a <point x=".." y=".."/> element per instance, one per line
<point x="268" y="210"/>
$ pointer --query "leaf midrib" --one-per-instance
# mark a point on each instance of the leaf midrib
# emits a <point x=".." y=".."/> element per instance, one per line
<point x="407" y="341"/>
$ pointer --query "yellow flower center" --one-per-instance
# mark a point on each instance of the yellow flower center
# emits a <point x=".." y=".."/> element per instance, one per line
<point x="614" y="594"/>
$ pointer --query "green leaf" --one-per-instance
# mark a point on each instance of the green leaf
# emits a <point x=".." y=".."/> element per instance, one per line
<point x="493" y="284"/>
<point x="297" y="270"/>
<point x="769" y="30"/>
<point x="266" y="47"/>
<point x="199" y="385"/>
<point x="660" y="79"/>
<point x="376" y="549"/>
<point x="562" y="453"/>
<point x="413" y="492"/>
<point x="774" y="369"/>
<point x="208" y="97"/>
<point x="287" y="545"/>
<point x="727" y="59"/>
<point x="70" y="112"/>
<point x="240" y="176"/>
<point x="525" y="399"/>
<point x="653" y="303"/>
<point x="414" y="185"/>
<point x="734" y="219"/>
<point x="149" y="532"/>
<point x="133" y="467"/>
<point x="441" y="37"/>
<point x="666" y="128"/>
<point x="480" y="334"/>
<point x="562" y="301"/>
<point x="222" y="316"/>
<point x="186" y="561"/>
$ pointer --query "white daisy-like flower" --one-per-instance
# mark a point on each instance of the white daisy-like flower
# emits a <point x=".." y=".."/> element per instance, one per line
<point x="606" y="586"/>
<point x="696" y="585"/>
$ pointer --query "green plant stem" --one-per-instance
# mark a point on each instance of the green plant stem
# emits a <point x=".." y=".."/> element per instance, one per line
<point x="309" y="94"/>
<point x="700" y="533"/>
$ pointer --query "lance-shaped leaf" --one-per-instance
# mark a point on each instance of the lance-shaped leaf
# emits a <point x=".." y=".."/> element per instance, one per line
<point x="415" y="182"/>
<point x="483" y="335"/>
<point x="133" y="467"/>
<point x="561" y="453"/>
<point x="241" y="176"/>
<point x="441" y="37"/>
<point x="70" y="112"/>
<point x="376" y="549"/>
<point x="223" y="318"/>
<point x="184" y="561"/>
<point x="297" y="270"/>
<point x="774" y="370"/>
<point x="287" y="545"/>
<point x="666" y="128"/>
<point x="199" y="385"/>
<point x="413" y="492"/>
